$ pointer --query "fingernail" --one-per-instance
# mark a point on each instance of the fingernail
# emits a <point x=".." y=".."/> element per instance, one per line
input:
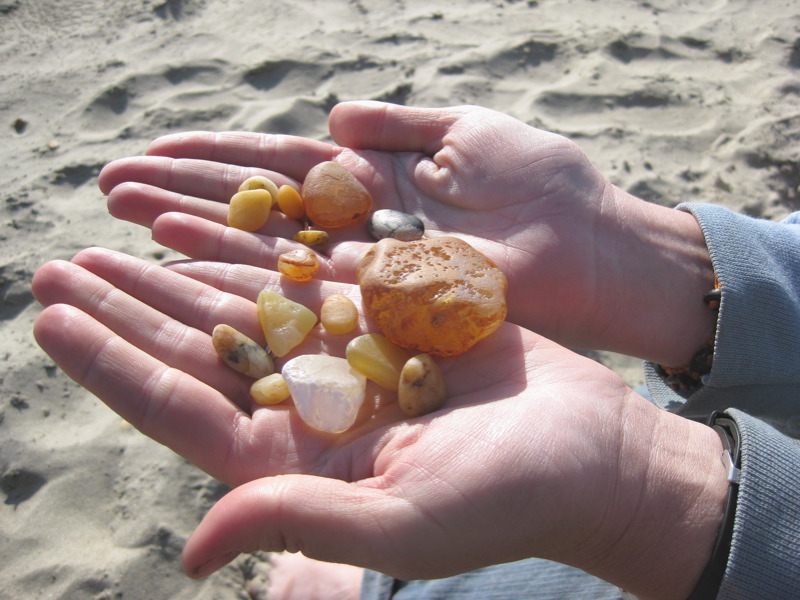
<point x="208" y="567"/>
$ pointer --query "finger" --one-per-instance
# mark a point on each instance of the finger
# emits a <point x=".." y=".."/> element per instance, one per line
<point x="168" y="340"/>
<point x="192" y="303"/>
<point x="141" y="203"/>
<point x="199" y="178"/>
<point x="247" y="281"/>
<point x="165" y="404"/>
<point x="391" y="127"/>
<point x="203" y="240"/>
<point x="326" y="519"/>
<point x="290" y="155"/>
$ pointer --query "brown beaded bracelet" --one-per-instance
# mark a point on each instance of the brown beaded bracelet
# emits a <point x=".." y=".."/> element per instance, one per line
<point x="691" y="377"/>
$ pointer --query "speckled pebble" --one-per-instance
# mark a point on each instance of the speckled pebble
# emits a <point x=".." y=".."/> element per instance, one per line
<point x="388" y="223"/>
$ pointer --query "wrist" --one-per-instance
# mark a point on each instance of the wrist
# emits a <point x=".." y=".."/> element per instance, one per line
<point x="660" y="270"/>
<point x="664" y="532"/>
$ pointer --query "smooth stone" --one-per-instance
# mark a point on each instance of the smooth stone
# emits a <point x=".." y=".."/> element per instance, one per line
<point x="377" y="359"/>
<point x="241" y="353"/>
<point x="285" y="323"/>
<point x="327" y="392"/>
<point x="422" y="388"/>
<point x="388" y="223"/>
<point x="333" y="197"/>
<point x="270" y="390"/>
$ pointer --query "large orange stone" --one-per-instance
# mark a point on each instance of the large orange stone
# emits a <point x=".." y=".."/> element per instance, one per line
<point x="437" y="295"/>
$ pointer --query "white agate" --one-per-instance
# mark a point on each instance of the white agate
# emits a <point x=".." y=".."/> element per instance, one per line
<point x="326" y="391"/>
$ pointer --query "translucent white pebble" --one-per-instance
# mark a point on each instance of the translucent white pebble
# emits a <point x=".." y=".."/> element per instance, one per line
<point x="327" y="392"/>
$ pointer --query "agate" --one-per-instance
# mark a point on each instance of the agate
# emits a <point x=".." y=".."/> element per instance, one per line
<point x="326" y="391"/>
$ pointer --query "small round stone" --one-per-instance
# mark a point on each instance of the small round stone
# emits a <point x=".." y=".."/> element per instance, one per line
<point x="312" y="237"/>
<point x="300" y="265"/>
<point x="270" y="390"/>
<point x="259" y="182"/>
<point x="388" y="223"/>
<point x="333" y="197"/>
<point x="338" y="314"/>
<point x="241" y="353"/>
<point x="290" y="202"/>
<point x="249" y="210"/>
<point x="422" y="388"/>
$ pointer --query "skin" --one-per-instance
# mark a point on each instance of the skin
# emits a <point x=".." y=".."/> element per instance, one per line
<point x="529" y="200"/>
<point x="530" y="431"/>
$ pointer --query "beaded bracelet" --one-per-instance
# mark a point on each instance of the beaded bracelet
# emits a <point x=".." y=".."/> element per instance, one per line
<point x="691" y="376"/>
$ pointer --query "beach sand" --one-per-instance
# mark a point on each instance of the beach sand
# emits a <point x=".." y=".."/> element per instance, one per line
<point x="673" y="100"/>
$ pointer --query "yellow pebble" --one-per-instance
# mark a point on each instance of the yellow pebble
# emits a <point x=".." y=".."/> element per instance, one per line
<point x="285" y="323"/>
<point x="269" y="390"/>
<point x="300" y="265"/>
<point x="312" y="237"/>
<point x="422" y="388"/>
<point x="290" y="202"/>
<point x="338" y="314"/>
<point x="259" y="182"/>
<point x="377" y="359"/>
<point x="249" y="210"/>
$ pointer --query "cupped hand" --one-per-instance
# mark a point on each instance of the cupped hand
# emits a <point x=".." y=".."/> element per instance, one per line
<point x="529" y="432"/>
<point x="528" y="199"/>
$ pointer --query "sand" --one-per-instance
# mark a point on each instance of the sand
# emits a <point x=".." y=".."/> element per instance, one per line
<point x="673" y="100"/>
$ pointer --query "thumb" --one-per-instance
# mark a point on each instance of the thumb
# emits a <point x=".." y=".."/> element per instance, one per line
<point x="325" y="519"/>
<point x="375" y="125"/>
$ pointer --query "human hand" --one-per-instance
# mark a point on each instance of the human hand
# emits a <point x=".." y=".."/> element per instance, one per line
<point x="588" y="265"/>
<point x="538" y="452"/>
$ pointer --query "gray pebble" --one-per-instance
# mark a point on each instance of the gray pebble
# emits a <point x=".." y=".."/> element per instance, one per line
<point x="401" y="226"/>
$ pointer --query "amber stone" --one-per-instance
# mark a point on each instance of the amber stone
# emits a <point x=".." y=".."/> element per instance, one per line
<point x="312" y="237"/>
<point x="249" y="210"/>
<point x="333" y="197"/>
<point x="300" y="264"/>
<point x="270" y="390"/>
<point x="437" y="295"/>
<point x="377" y="359"/>
<point x="338" y="314"/>
<point x="290" y="202"/>
<point x="285" y="323"/>
<point x="259" y="182"/>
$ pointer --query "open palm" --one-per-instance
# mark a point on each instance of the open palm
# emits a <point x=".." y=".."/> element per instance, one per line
<point x="137" y="335"/>
<point x="526" y="198"/>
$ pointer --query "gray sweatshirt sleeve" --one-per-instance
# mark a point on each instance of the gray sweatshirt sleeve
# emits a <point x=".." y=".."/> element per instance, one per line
<point x="756" y="378"/>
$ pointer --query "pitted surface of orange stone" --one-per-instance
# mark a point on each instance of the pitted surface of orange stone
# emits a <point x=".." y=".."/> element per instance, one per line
<point x="437" y="295"/>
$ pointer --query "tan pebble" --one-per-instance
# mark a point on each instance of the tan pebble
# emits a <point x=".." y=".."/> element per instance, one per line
<point x="241" y="353"/>
<point x="312" y="237"/>
<point x="333" y="197"/>
<point x="422" y="388"/>
<point x="249" y="210"/>
<point x="377" y="359"/>
<point x="259" y="182"/>
<point x="270" y="390"/>
<point x="290" y="202"/>
<point x="300" y="265"/>
<point x="339" y="314"/>
<point x="285" y="323"/>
